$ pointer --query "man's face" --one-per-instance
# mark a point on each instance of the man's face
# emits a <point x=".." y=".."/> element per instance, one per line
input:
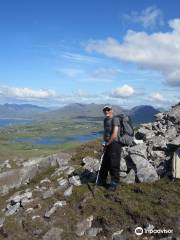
<point x="108" y="112"/>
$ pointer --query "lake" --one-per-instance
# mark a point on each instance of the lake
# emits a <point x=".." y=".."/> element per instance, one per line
<point x="9" y="122"/>
<point x="61" y="140"/>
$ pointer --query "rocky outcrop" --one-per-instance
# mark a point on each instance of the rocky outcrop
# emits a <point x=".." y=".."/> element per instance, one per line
<point x="16" y="177"/>
<point x="152" y="159"/>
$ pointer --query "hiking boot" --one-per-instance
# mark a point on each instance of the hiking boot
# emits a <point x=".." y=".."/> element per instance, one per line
<point x="113" y="186"/>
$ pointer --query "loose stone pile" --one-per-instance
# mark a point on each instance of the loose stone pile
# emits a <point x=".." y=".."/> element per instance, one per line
<point x="152" y="159"/>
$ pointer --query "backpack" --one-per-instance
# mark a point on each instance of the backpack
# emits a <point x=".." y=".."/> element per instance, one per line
<point x="126" y="134"/>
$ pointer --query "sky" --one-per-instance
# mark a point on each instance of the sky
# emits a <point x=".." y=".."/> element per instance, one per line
<point x="54" y="53"/>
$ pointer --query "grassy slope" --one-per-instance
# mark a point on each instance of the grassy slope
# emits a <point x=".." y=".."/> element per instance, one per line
<point x="130" y="206"/>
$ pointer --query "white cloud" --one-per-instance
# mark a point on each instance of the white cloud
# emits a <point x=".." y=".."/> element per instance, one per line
<point x="70" y="72"/>
<point x="157" y="97"/>
<point x="105" y="73"/>
<point x="149" y="17"/>
<point x="76" y="57"/>
<point x="158" y="51"/>
<point x="123" y="92"/>
<point x="26" y="93"/>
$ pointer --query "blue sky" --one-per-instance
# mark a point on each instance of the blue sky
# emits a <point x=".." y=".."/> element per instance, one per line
<point x="57" y="52"/>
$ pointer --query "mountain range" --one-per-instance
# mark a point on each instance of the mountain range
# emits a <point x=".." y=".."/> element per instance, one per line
<point x="138" y="114"/>
<point x="20" y="110"/>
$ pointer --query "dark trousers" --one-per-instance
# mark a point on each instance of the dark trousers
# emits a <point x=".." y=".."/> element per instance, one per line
<point x="111" y="162"/>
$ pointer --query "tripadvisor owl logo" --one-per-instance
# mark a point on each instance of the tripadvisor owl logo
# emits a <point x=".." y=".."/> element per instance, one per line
<point x="138" y="231"/>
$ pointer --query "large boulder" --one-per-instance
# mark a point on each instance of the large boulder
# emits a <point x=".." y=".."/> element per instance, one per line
<point x="123" y="165"/>
<point x="144" y="134"/>
<point x="174" y="144"/>
<point x="171" y="133"/>
<point x="144" y="170"/>
<point x="174" y="114"/>
<point x="158" y="142"/>
<point x="129" y="178"/>
<point x="91" y="164"/>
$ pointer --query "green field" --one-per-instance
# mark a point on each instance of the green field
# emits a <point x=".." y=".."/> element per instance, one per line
<point x="11" y="149"/>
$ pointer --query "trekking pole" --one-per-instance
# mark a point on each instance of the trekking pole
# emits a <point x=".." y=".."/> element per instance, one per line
<point x="97" y="178"/>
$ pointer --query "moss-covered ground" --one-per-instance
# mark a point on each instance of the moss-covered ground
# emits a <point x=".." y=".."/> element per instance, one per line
<point x="130" y="206"/>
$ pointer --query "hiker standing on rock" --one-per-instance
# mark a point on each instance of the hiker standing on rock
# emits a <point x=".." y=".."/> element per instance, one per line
<point x="112" y="150"/>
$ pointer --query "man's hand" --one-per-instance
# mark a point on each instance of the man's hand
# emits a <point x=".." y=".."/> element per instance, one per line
<point x="104" y="145"/>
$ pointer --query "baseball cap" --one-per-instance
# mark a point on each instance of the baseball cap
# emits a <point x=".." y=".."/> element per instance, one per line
<point x="107" y="107"/>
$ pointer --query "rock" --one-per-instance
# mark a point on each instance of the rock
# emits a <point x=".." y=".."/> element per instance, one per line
<point x="2" y="222"/>
<point x="83" y="226"/>
<point x="53" y="234"/>
<point x="16" y="177"/>
<point x="29" y="210"/>
<point x="57" y="173"/>
<point x="68" y="191"/>
<point x="123" y="166"/>
<point x="48" y="194"/>
<point x="161" y="170"/>
<point x="157" y="157"/>
<point x="75" y="180"/>
<point x="124" y="152"/>
<point x="118" y="236"/>
<point x="92" y="232"/>
<point x="136" y="141"/>
<point x="174" y="144"/>
<point x="35" y="217"/>
<point x="130" y="178"/>
<point x="122" y="174"/>
<point x="46" y="180"/>
<point x="159" y="116"/>
<point x="54" y="208"/>
<point x="174" y="114"/>
<point x="63" y="183"/>
<point x="20" y="197"/>
<point x="62" y="159"/>
<point x="5" y="164"/>
<point x="69" y="170"/>
<point x="144" y="134"/>
<point x="91" y="164"/>
<point x="171" y="133"/>
<point x="145" y="171"/>
<point x="158" y="143"/>
<point x="140" y="150"/>
<point x="10" y="179"/>
<point x="11" y="209"/>
<point x="147" y="126"/>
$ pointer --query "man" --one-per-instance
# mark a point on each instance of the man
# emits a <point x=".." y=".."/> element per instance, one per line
<point x="112" y="150"/>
